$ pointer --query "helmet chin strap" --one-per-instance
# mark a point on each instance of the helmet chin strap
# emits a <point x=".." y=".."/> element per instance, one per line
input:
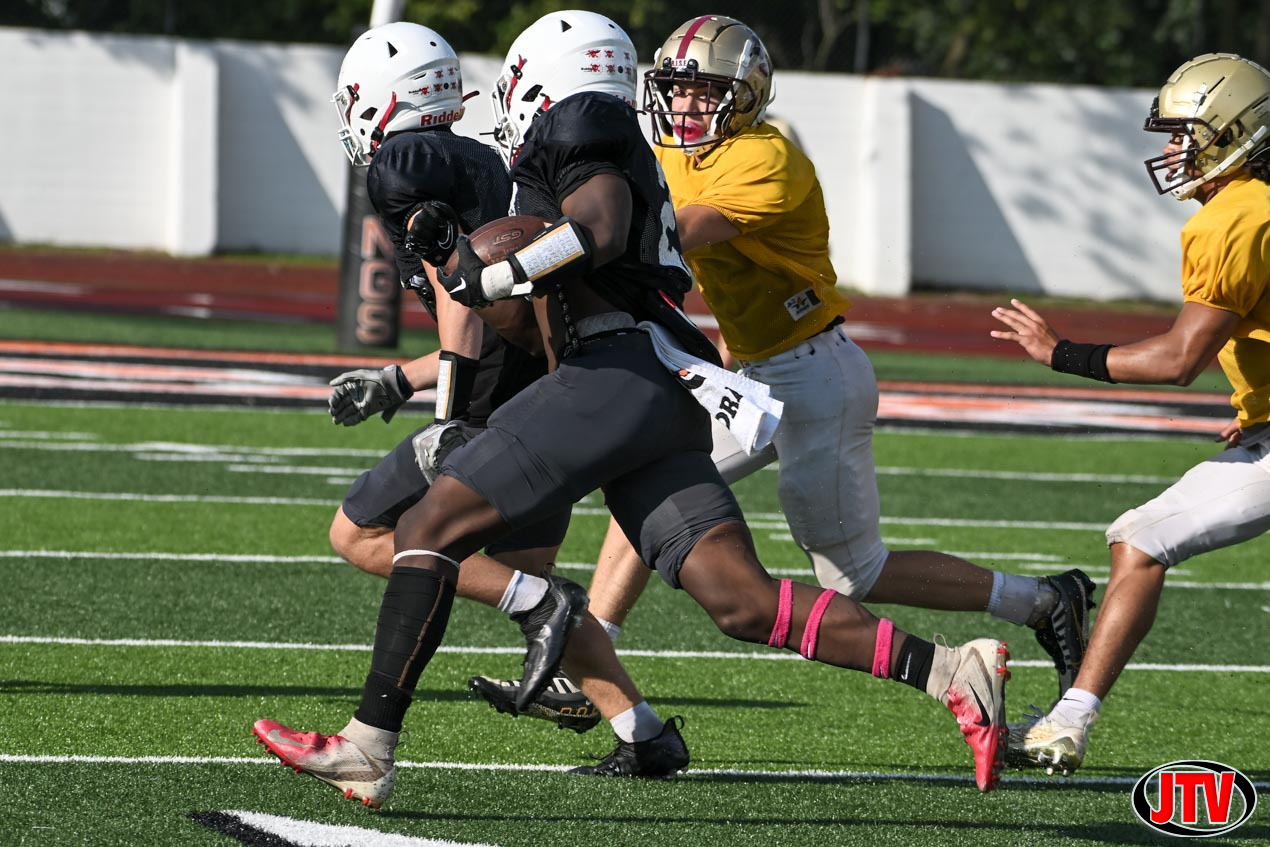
<point x="1187" y="190"/>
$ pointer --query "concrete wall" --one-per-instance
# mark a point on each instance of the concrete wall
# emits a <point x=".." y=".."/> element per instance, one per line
<point x="194" y="147"/>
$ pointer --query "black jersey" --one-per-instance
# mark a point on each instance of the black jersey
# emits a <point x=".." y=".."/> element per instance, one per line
<point x="412" y="167"/>
<point x="436" y="164"/>
<point x="588" y="134"/>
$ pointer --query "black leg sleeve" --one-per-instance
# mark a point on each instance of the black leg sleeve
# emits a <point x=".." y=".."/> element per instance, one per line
<point x="412" y="621"/>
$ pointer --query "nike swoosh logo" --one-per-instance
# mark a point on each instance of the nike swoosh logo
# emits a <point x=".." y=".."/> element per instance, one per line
<point x="984" y="720"/>
<point x="456" y="289"/>
<point x="277" y="737"/>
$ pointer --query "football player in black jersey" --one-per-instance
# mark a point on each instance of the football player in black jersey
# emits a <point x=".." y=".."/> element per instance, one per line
<point x="428" y="184"/>
<point x="610" y="417"/>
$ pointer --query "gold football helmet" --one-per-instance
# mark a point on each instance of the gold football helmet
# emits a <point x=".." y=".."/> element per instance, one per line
<point x="719" y="51"/>
<point x="1219" y="104"/>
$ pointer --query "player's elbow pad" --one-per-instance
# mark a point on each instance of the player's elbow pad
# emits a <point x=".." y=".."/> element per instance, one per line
<point x="564" y="249"/>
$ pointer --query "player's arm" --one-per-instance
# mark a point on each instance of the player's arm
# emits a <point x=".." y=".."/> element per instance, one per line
<point x="602" y="206"/>
<point x="1175" y="357"/>
<point x="701" y="226"/>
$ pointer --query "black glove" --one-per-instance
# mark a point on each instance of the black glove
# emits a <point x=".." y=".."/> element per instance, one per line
<point x="464" y="284"/>
<point x="431" y="230"/>
<point x="361" y="393"/>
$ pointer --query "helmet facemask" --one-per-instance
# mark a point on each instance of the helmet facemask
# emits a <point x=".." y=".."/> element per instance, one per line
<point x="694" y="129"/>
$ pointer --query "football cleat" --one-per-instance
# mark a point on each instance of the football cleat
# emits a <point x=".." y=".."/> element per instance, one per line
<point x="970" y="681"/>
<point x="331" y="758"/>
<point x="1064" y="633"/>
<point x="1041" y="741"/>
<point x="657" y="758"/>
<point x="546" y="627"/>
<point x="561" y="702"/>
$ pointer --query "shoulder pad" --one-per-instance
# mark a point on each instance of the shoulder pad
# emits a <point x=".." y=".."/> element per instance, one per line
<point x="408" y="169"/>
<point x="589" y="125"/>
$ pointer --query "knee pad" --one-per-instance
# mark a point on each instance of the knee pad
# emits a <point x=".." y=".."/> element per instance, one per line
<point x="851" y="575"/>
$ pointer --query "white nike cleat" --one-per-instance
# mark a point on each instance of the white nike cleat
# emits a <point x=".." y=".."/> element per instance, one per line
<point x="1044" y="741"/>
<point x="970" y="681"/>
<point x="331" y="758"/>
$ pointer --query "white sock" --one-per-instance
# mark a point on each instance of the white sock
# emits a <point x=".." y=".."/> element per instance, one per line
<point x="611" y="628"/>
<point x="638" y="723"/>
<point x="1077" y="706"/>
<point x="374" y="742"/>
<point x="522" y="593"/>
<point x="1020" y="599"/>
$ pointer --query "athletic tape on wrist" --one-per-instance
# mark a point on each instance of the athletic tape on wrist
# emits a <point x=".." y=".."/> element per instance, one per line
<point x="882" y="649"/>
<point x="811" y="632"/>
<point x="784" y="612"/>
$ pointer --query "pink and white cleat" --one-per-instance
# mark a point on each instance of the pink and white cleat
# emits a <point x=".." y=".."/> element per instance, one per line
<point x="333" y="759"/>
<point x="970" y="681"/>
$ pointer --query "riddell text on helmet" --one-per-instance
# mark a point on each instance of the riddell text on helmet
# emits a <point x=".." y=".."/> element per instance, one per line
<point x="443" y="118"/>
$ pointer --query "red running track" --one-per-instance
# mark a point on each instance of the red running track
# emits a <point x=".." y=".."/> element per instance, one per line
<point x="139" y="284"/>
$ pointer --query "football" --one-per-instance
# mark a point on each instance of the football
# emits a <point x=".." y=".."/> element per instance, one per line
<point x="499" y="238"/>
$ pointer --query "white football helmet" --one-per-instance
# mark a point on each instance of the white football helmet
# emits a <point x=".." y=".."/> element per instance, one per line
<point x="396" y="76"/>
<point x="561" y="53"/>
<point x="727" y="55"/>
<point x="1219" y="104"/>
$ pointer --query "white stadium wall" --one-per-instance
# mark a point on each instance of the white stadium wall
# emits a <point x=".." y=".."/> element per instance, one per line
<point x="192" y="147"/>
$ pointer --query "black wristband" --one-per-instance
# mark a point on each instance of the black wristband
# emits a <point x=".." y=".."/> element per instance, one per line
<point x="403" y="384"/>
<point x="1087" y="360"/>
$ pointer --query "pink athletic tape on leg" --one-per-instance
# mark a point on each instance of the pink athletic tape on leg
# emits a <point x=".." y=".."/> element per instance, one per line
<point x="812" y="630"/>
<point x="882" y="649"/>
<point x="784" y="611"/>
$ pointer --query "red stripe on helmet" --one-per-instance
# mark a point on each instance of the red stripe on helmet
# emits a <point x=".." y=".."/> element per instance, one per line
<point x="690" y="34"/>
<point x="516" y="74"/>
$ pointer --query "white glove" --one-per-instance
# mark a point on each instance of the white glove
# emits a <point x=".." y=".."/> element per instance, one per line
<point x="361" y="393"/>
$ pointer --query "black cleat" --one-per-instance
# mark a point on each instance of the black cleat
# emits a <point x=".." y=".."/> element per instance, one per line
<point x="1064" y="633"/>
<point x="560" y="702"/>
<point x="546" y="627"/>
<point x="656" y="758"/>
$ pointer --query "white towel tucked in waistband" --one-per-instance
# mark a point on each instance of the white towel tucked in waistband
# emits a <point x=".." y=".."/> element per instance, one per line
<point x="746" y="407"/>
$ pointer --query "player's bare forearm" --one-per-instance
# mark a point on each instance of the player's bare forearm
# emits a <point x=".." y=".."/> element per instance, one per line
<point x="422" y="372"/>
<point x="458" y="327"/>
<point x="1178" y="356"/>
<point x="603" y="205"/>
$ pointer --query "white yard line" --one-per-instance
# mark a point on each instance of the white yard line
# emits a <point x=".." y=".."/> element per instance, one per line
<point x="797" y="775"/>
<point x="519" y="650"/>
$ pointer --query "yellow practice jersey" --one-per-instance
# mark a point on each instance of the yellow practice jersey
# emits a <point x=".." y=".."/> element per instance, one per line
<point x="1226" y="265"/>
<point x="772" y="286"/>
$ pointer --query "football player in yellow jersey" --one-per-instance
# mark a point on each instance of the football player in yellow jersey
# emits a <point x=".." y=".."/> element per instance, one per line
<point x="752" y="224"/>
<point x="1216" y="111"/>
